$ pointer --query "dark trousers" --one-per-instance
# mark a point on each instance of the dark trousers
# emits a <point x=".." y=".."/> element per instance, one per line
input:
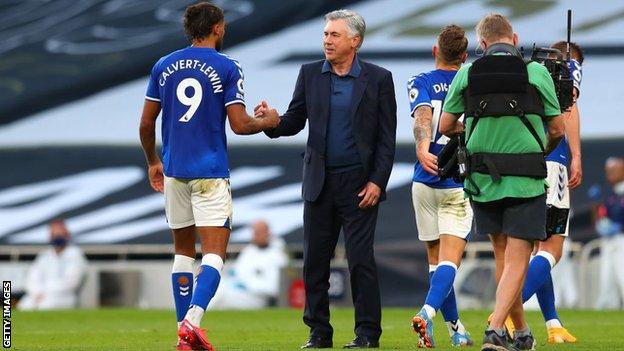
<point x="336" y="208"/>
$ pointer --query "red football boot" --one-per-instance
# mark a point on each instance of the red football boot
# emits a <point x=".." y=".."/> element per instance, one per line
<point x="194" y="336"/>
<point x="183" y="345"/>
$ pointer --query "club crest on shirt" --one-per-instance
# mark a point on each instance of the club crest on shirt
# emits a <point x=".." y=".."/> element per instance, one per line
<point x="240" y="85"/>
<point x="413" y="94"/>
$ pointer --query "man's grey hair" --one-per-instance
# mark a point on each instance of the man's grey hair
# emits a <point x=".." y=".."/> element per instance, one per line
<point x="355" y="22"/>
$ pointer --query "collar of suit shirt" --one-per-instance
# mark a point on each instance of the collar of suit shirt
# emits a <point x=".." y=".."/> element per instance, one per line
<point x="353" y="72"/>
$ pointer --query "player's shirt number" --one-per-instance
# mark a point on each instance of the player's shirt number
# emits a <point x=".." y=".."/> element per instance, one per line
<point x="192" y="101"/>
<point x="435" y="123"/>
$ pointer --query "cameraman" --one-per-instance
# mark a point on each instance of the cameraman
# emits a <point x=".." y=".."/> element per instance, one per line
<point x="504" y="101"/>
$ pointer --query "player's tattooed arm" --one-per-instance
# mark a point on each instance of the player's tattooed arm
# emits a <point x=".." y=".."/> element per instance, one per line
<point x="423" y="116"/>
<point x="422" y="124"/>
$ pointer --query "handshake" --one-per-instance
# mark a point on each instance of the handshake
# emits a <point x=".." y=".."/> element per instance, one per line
<point x="268" y="114"/>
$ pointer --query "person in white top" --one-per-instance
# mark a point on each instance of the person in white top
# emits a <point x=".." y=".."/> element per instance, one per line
<point x="254" y="278"/>
<point x="56" y="274"/>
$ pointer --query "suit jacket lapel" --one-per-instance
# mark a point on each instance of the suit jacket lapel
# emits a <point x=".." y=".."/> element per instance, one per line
<point x="358" y="91"/>
<point x="325" y="89"/>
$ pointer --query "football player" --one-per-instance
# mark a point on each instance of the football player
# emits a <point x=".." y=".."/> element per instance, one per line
<point x="197" y="88"/>
<point x="443" y="215"/>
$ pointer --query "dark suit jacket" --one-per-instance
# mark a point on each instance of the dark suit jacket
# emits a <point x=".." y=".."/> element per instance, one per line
<point x="373" y="115"/>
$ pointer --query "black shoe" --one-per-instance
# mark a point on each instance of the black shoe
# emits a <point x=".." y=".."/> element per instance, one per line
<point x="362" y="342"/>
<point x="525" y="342"/>
<point x="495" y="342"/>
<point x="317" y="342"/>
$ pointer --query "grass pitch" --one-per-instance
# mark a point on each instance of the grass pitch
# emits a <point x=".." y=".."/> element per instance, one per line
<point x="279" y="329"/>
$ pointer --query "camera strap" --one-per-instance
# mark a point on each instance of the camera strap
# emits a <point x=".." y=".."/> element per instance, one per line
<point x="520" y="113"/>
<point x="500" y="164"/>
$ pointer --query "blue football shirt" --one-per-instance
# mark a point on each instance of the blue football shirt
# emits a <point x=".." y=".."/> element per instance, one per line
<point x="429" y="89"/>
<point x="194" y="86"/>
<point x="561" y="154"/>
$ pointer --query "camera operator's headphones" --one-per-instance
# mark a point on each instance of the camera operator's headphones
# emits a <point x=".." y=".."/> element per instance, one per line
<point x="503" y="48"/>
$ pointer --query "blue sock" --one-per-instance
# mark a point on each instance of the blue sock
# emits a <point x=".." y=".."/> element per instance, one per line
<point x="182" y="284"/>
<point x="207" y="280"/>
<point x="546" y="299"/>
<point x="182" y="292"/>
<point x="441" y="284"/>
<point x="539" y="270"/>
<point x="449" y="307"/>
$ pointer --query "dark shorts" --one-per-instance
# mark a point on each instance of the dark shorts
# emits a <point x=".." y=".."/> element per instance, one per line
<point x="523" y="218"/>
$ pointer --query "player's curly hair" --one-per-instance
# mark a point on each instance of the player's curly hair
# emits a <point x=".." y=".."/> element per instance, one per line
<point x="452" y="44"/>
<point x="199" y="19"/>
<point x="575" y="50"/>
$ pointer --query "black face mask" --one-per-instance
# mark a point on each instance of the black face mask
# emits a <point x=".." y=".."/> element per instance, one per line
<point x="59" y="242"/>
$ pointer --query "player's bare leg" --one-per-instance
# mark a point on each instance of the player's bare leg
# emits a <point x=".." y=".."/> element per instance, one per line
<point x="214" y="242"/>
<point x="184" y="241"/>
<point x="553" y="245"/>
<point x="433" y="251"/>
<point x="451" y="248"/>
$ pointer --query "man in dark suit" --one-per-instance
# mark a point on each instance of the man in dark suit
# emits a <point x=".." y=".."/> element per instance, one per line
<point x="351" y="109"/>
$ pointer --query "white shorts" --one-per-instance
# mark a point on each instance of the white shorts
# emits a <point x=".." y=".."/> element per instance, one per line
<point x="441" y="211"/>
<point x="201" y="202"/>
<point x="558" y="192"/>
